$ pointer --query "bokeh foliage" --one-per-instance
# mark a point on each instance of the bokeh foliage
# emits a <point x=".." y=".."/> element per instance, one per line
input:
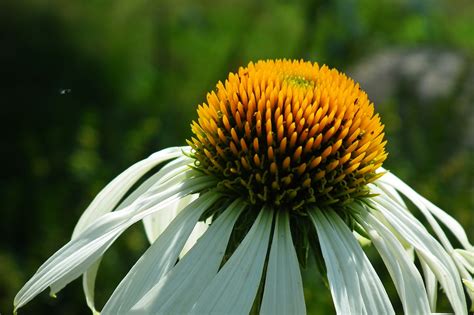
<point x="92" y="86"/>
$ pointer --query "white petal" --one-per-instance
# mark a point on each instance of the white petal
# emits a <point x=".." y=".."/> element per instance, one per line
<point x="341" y="270"/>
<point x="283" y="292"/>
<point x="431" y="220"/>
<point x="157" y="223"/>
<point x="466" y="258"/>
<point x="177" y="292"/>
<point x="469" y="284"/>
<point x="161" y="178"/>
<point x="355" y="286"/>
<point x="71" y="260"/>
<point x="391" y="192"/>
<point x="431" y="284"/>
<point x="198" y="231"/>
<point x="80" y="253"/>
<point x="159" y="258"/>
<point x="363" y="241"/>
<point x="88" y="285"/>
<point x="426" y="247"/>
<point x="138" y="208"/>
<point x="109" y="197"/>
<point x="406" y="277"/>
<point x="167" y="176"/>
<point x="451" y="223"/>
<point x="233" y="289"/>
<point x="428" y="208"/>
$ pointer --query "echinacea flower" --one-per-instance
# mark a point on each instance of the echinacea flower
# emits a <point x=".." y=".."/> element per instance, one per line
<point x="286" y="160"/>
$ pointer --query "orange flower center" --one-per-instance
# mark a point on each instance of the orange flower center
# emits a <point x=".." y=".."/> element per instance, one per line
<point x="290" y="134"/>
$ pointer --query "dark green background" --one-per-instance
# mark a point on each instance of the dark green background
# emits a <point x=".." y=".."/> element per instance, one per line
<point x="90" y="87"/>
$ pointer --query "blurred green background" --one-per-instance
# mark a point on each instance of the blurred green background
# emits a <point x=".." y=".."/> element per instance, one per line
<point x="90" y="87"/>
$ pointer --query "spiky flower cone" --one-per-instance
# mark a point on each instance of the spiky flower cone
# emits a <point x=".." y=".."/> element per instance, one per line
<point x="289" y="133"/>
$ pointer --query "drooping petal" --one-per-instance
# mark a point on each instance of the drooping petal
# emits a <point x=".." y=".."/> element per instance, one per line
<point x="88" y="285"/>
<point x="199" y="229"/>
<point x="161" y="178"/>
<point x="355" y="286"/>
<point x="466" y="258"/>
<point x="451" y="223"/>
<point x="177" y="292"/>
<point x="389" y="189"/>
<point x="431" y="220"/>
<point x="155" y="195"/>
<point x="405" y="275"/>
<point x="341" y="270"/>
<point x="469" y="284"/>
<point x="427" y="248"/>
<point x="80" y="253"/>
<point x="170" y="171"/>
<point x="283" y="292"/>
<point x="159" y="258"/>
<point x="157" y="223"/>
<point x="429" y="208"/>
<point x="233" y="289"/>
<point x="363" y="241"/>
<point x="164" y="178"/>
<point x="431" y="284"/>
<point x="71" y="260"/>
<point x="109" y="197"/>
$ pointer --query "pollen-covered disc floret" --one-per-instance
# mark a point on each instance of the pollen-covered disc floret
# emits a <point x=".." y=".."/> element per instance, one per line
<point x="289" y="133"/>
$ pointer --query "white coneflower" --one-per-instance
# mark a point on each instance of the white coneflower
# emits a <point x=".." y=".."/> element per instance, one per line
<point x="286" y="158"/>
